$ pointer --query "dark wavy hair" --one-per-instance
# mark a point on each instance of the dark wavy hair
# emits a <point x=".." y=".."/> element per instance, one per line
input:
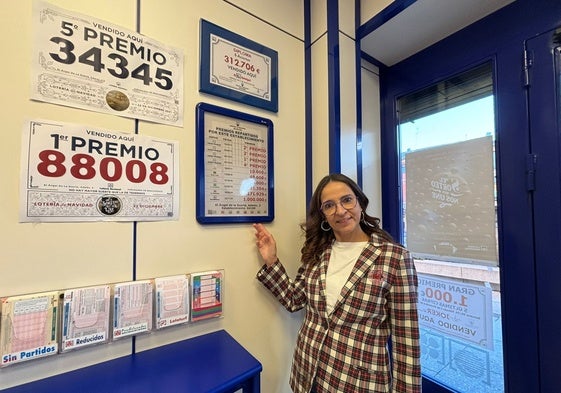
<point x="317" y="240"/>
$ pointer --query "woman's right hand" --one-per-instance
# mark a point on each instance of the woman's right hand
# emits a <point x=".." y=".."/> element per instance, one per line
<point x="266" y="244"/>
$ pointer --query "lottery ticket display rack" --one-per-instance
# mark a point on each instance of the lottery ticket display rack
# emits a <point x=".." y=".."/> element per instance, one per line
<point x="211" y="363"/>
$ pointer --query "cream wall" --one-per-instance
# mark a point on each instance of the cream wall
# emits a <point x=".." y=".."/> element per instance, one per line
<point x="370" y="104"/>
<point x="347" y="53"/>
<point x="371" y="158"/>
<point x="320" y="89"/>
<point x="370" y="8"/>
<point x="36" y="257"/>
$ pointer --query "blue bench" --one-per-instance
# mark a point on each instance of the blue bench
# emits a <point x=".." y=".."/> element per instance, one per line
<point x="211" y="363"/>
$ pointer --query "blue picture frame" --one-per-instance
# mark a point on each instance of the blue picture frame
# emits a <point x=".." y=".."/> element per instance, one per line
<point x="234" y="166"/>
<point x="237" y="68"/>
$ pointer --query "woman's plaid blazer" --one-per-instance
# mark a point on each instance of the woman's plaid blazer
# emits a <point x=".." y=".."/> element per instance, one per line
<point x="370" y="342"/>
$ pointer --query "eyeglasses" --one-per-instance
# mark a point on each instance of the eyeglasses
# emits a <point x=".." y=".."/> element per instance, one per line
<point x="330" y="207"/>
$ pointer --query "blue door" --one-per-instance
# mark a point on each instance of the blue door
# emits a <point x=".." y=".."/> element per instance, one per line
<point x="524" y="64"/>
<point x="543" y="61"/>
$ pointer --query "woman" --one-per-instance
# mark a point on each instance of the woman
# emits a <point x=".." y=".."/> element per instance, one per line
<point x="359" y="289"/>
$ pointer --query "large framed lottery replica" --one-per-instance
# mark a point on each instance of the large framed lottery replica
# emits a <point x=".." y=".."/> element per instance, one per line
<point x="237" y="68"/>
<point x="234" y="166"/>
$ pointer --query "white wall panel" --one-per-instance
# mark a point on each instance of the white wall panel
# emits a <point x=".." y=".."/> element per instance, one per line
<point x="280" y="13"/>
<point x="318" y="18"/>
<point x="39" y="257"/>
<point x="348" y="106"/>
<point x="250" y="313"/>
<point x="370" y="8"/>
<point x="371" y="158"/>
<point x="51" y="256"/>
<point x="320" y="111"/>
<point x="347" y="17"/>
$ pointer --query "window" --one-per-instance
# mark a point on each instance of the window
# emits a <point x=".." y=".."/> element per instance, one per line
<point x="446" y="138"/>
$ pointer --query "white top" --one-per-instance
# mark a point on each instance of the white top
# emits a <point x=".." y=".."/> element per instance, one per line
<point x="341" y="262"/>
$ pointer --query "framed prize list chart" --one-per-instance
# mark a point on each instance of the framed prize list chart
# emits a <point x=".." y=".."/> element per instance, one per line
<point x="234" y="166"/>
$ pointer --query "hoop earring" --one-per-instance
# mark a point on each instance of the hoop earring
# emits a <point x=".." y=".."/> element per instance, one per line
<point x="323" y="228"/>
<point x="363" y="220"/>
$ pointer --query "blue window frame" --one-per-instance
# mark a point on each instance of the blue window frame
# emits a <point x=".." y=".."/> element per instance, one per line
<point x="528" y="274"/>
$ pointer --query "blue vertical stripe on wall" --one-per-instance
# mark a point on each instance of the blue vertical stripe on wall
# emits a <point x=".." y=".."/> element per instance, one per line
<point x="136" y="124"/>
<point x="358" y="99"/>
<point x="308" y="98"/>
<point x="334" y="86"/>
<point x="135" y="223"/>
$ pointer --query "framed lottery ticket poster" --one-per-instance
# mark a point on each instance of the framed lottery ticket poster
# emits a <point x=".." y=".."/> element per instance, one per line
<point x="234" y="166"/>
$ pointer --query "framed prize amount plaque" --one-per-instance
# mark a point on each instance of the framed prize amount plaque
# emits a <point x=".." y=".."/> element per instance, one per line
<point x="236" y="68"/>
<point x="234" y="164"/>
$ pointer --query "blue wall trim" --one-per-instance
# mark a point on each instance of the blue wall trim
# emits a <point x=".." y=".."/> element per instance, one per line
<point x="334" y="86"/>
<point x="135" y="223"/>
<point x="370" y="59"/>
<point x="382" y="17"/>
<point x="308" y="99"/>
<point x="358" y="99"/>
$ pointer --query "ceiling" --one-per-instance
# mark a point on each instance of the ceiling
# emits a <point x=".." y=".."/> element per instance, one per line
<point x="422" y="24"/>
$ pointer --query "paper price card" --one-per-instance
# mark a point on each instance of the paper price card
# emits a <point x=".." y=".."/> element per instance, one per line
<point x="28" y="327"/>
<point x="77" y="173"/>
<point x="207" y="295"/>
<point x="132" y="308"/>
<point x="91" y="64"/>
<point x="172" y="301"/>
<point x="85" y="317"/>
